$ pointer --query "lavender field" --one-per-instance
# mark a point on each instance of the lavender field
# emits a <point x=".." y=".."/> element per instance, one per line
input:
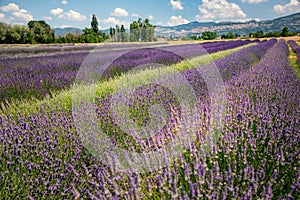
<point x="215" y="120"/>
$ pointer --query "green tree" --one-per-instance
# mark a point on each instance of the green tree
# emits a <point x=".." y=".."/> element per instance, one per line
<point x="3" y="28"/>
<point x="90" y="36"/>
<point x="251" y="35"/>
<point x="40" y="32"/>
<point x="117" y="33"/>
<point x="148" y="31"/>
<point x="208" y="35"/>
<point x="70" y="38"/>
<point x="93" y="35"/>
<point x="94" y="24"/>
<point x="229" y="35"/>
<point x="122" y="33"/>
<point x="22" y="32"/>
<point x="13" y="34"/>
<point x="285" y="32"/>
<point x="259" y="34"/>
<point x="134" y="31"/>
<point x="141" y="31"/>
<point x="112" y="33"/>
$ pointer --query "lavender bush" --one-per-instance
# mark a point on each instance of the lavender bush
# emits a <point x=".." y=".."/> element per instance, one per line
<point x="35" y="77"/>
<point x="256" y="156"/>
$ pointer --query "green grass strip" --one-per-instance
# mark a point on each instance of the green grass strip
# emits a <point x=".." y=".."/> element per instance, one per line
<point x="294" y="62"/>
<point x="62" y="101"/>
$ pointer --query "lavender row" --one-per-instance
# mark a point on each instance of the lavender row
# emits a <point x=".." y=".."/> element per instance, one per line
<point x="296" y="48"/>
<point x="207" y="47"/>
<point x="229" y="66"/>
<point x="255" y="158"/>
<point x="166" y="55"/>
<point x="263" y="104"/>
<point x="8" y="52"/>
<point x="148" y="95"/>
<point x="38" y="76"/>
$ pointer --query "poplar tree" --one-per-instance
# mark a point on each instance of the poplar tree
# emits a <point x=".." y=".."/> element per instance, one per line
<point x="94" y="24"/>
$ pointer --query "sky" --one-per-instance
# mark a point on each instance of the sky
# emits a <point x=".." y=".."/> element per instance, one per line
<point x="78" y="13"/>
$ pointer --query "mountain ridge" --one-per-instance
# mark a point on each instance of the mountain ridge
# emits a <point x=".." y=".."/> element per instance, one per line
<point x="242" y="28"/>
<point x="193" y="28"/>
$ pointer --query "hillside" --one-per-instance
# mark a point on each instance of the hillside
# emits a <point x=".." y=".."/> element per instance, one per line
<point x="194" y="28"/>
<point x="242" y="28"/>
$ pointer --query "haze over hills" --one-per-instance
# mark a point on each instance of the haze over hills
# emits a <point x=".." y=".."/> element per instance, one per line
<point x="241" y="28"/>
<point x="194" y="28"/>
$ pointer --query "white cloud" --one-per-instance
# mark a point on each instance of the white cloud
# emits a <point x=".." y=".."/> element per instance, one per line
<point x="176" y="20"/>
<point x="135" y="15"/>
<point x="47" y="18"/>
<point x="64" y="2"/>
<point x="291" y="7"/>
<point x="220" y="10"/>
<point x="2" y="16"/>
<point x="10" y="7"/>
<point x="17" y="15"/>
<point x="56" y="11"/>
<point x="22" y="15"/>
<point x="253" y="1"/>
<point x="119" y="12"/>
<point x="111" y="21"/>
<point x="176" y="5"/>
<point x="64" y="26"/>
<point x="150" y="17"/>
<point x="72" y="15"/>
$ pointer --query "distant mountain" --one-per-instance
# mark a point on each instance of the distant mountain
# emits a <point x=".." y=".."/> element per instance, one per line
<point x="195" y="28"/>
<point x="241" y="28"/>
<point x="74" y="31"/>
<point x="64" y="31"/>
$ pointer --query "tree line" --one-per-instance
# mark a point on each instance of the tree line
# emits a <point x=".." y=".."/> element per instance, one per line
<point x="34" y="32"/>
<point x="118" y="34"/>
<point x="260" y="34"/>
<point x="39" y="32"/>
<point x="284" y="33"/>
<point x="140" y="31"/>
<point x="208" y="35"/>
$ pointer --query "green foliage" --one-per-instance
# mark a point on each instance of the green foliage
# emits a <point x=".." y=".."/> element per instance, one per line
<point x="294" y="63"/>
<point x="141" y="31"/>
<point x="94" y="24"/>
<point x="273" y="34"/>
<point x="13" y="34"/>
<point x="208" y="35"/>
<point x="70" y="38"/>
<point x="122" y="33"/>
<point x="40" y="32"/>
<point x="93" y="35"/>
<point x="89" y="36"/>
<point x="229" y="35"/>
<point x="118" y="34"/>
<point x="259" y="34"/>
<point x="284" y="33"/>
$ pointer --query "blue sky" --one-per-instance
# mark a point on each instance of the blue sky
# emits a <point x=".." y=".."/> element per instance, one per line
<point x="77" y="13"/>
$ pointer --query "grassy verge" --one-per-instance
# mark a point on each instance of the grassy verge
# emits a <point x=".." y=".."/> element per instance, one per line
<point x="63" y="99"/>
<point x="293" y="62"/>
